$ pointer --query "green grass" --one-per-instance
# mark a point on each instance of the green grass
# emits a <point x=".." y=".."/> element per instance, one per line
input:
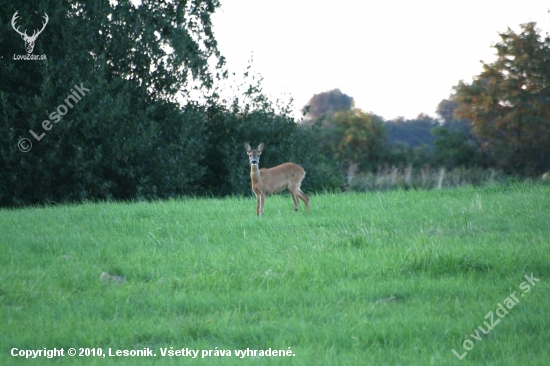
<point x="394" y="278"/>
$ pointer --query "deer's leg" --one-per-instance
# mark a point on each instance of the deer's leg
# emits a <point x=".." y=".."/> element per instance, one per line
<point x="295" y="199"/>
<point x="304" y="198"/>
<point x="262" y="201"/>
<point x="293" y="189"/>
<point x="258" y="198"/>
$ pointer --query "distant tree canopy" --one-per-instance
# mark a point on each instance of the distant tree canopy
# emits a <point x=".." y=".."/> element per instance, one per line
<point x="355" y="137"/>
<point x="508" y="104"/>
<point x="326" y="103"/>
<point x="412" y="132"/>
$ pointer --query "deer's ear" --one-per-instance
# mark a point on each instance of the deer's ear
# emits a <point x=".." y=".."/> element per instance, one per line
<point x="247" y="147"/>
<point x="260" y="148"/>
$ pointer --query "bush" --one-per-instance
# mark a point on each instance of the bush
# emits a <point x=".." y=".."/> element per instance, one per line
<point x="227" y="166"/>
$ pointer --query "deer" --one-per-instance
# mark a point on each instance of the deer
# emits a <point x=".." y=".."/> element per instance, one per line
<point x="274" y="180"/>
<point x="29" y="41"/>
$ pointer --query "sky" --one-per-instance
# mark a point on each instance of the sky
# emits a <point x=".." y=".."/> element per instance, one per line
<point x="396" y="58"/>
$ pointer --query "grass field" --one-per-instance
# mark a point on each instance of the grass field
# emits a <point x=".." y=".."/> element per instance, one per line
<point x="395" y="278"/>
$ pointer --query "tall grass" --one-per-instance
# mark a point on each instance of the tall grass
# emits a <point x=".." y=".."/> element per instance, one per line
<point x="391" y="278"/>
<point x="390" y="178"/>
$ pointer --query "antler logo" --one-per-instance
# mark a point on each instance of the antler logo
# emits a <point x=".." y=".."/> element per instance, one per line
<point x="29" y="40"/>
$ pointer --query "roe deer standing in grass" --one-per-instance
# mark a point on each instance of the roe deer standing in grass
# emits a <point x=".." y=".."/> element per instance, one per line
<point x="273" y="180"/>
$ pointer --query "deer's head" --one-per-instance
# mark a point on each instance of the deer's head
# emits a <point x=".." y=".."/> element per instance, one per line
<point x="29" y="40"/>
<point x="254" y="155"/>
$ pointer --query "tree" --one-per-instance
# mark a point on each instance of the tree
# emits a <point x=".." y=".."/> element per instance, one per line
<point x="127" y="137"/>
<point x="509" y="102"/>
<point x="455" y="144"/>
<point x="355" y="137"/>
<point x="446" y="110"/>
<point x="411" y="132"/>
<point x="454" y="149"/>
<point x="326" y="104"/>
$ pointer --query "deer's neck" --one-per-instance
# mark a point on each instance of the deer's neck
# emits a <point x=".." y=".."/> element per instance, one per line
<point x="255" y="174"/>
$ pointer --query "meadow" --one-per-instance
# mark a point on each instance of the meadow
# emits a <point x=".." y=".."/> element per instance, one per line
<point x="378" y="278"/>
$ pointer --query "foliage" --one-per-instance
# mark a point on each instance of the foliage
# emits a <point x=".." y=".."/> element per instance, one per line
<point x="354" y="137"/>
<point x="455" y="149"/>
<point x="456" y="144"/>
<point x="128" y="137"/>
<point x="326" y="104"/>
<point x="225" y="161"/>
<point x="403" y="155"/>
<point x="410" y="142"/>
<point x="509" y="102"/>
<point x="500" y="120"/>
<point x="412" y="132"/>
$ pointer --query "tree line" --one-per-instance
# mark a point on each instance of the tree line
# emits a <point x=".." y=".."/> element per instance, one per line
<point x="130" y="138"/>
<point x="367" y="141"/>
<point x="500" y="120"/>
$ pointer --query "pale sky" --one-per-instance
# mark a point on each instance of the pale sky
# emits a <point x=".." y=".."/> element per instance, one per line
<point x="394" y="57"/>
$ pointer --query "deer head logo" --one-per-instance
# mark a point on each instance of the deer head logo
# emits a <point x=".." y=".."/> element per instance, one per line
<point x="29" y="40"/>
